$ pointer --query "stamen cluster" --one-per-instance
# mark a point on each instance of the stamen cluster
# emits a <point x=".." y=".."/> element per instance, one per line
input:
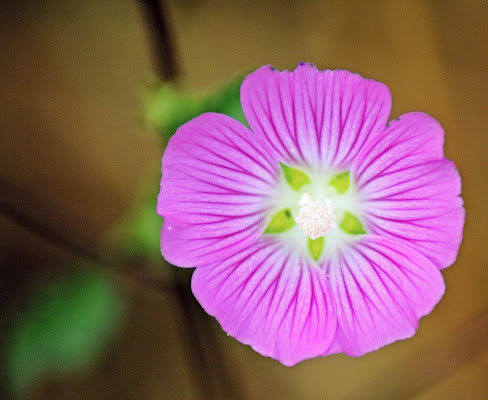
<point x="315" y="218"/>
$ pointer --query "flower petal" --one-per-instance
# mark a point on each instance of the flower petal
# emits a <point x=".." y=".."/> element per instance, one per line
<point x="410" y="191"/>
<point x="215" y="190"/>
<point x="270" y="299"/>
<point x="382" y="288"/>
<point x="311" y="117"/>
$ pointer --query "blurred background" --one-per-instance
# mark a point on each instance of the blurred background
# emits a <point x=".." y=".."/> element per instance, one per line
<point x="90" y="91"/>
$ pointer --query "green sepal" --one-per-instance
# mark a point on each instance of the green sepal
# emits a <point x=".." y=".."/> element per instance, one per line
<point x="340" y="182"/>
<point x="280" y="222"/>
<point x="351" y="224"/>
<point x="315" y="247"/>
<point x="295" y="178"/>
<point x="166" y="108"/>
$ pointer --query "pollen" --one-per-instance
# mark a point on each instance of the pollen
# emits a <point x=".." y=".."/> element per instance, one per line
<point x="315" y="218"/>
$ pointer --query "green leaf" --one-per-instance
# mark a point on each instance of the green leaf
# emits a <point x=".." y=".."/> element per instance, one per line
<point x="351" y="224"/>
<point x="295" y="178"/>
<point x="340" y="182"/>
<point x="63" y="328"/>
<point x="280" y="222"/>
<point x="166" y="108"/>
<point x="315" y="247"/>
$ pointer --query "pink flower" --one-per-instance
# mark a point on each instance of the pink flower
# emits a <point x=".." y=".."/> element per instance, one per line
<point x="325" y="228"/>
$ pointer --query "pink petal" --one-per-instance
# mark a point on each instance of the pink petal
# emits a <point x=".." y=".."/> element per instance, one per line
<point x="270" y="299"/>
<point x="215" y="189"/>
<point x="382" y="288"/>
<point x="410" y="191"/>
<point x="317" y="118"/>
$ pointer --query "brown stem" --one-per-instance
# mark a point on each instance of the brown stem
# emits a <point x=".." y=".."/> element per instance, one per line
<point x="132" y="273"/>
<point x="159" y="31"/>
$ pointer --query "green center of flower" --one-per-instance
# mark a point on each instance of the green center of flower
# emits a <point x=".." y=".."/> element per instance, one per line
<point x="311" y="224"/>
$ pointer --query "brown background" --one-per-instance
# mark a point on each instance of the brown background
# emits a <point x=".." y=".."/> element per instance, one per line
<point x="73" y="149"/>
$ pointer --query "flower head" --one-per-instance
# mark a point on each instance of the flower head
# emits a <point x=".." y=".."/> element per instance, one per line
<point x="322" y="230"/>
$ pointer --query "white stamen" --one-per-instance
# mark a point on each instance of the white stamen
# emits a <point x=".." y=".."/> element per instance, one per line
<point x="315" y="217"/>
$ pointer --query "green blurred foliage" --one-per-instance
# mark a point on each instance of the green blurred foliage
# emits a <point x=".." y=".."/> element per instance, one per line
<point x="136" y="236"/>
<point x="63" y="328"/>
<point x="144" y="235"/>
<point x="166" y="108"/>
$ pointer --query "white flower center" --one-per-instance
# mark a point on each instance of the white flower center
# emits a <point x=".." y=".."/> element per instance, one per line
<point x="315" y="218"/>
